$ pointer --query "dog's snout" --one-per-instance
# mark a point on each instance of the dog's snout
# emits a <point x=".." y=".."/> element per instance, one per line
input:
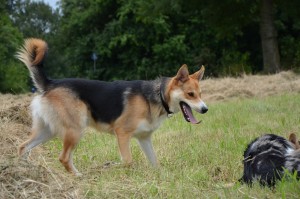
<point x="204" y="109"/>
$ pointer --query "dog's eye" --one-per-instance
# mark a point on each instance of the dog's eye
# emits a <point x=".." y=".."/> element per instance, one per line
<point x="191" y="94"/>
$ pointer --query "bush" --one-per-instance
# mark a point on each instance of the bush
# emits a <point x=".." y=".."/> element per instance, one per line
<point x="235" y="63"/>
<point x="14" y="78"/>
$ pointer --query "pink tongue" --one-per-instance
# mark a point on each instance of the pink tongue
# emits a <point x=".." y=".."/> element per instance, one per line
<point x="189" y="112"/>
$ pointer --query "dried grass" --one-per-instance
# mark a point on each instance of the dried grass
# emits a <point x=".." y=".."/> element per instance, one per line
<point x="35" y="179"/>
<point x="25" y="179"/>
<point x="250" y="86"/>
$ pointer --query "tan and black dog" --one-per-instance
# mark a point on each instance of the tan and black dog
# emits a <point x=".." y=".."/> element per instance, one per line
<point x="127" y="109"/>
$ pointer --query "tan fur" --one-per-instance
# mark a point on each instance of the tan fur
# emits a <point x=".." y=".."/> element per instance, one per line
<point x="135" y="118"/>
<point x="32" y="54"/>
<point x="59" y="112"/>
<point x="31" y="47"/>
<point x="72" y="118"/>
<point x="65" y="115"/>
<point x="186" y="83"/>
<point x="293" y="138"/>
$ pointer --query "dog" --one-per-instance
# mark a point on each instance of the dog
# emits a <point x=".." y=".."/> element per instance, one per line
<point x="267" y="157"/>
<point x="127" y="109"/>
<point x="292" y="163"/>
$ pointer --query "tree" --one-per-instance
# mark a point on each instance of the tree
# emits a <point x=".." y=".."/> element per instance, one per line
<point x="127" y="46"/>
<point x="213" y="31"/>
<point x="34" y="18"/>
<point x="268" y="34"/>
<point x="21" y="19"/>
<point x="229" y="18"/>
<point x="12" y="76"/>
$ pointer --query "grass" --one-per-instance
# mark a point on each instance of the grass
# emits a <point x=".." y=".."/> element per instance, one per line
<point x="196" y="161"/>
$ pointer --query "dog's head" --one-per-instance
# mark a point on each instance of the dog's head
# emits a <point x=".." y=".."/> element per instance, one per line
<point x="185" y="93"/>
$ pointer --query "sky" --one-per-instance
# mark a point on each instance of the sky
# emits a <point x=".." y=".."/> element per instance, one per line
<point x="52" y="3"/>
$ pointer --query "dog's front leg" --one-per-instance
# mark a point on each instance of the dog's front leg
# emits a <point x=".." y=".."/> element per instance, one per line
<point x="147" y="147"/>
<point x="124" y="148"/>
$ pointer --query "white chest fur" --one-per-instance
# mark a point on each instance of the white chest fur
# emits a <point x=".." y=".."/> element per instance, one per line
<point x="146" y="127"/>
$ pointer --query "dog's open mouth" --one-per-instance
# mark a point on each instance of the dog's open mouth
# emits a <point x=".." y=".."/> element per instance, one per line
<point x="188" y="113"/>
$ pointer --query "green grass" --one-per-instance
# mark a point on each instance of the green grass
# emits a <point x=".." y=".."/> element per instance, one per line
<point x="197" y="161"/>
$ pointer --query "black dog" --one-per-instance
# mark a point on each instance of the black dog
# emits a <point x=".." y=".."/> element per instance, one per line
<point x="266" y="157"/>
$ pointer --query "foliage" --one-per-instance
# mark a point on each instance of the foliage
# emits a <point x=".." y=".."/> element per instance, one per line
<point x="10" y="39"/>
<point x="19" y="20"/>
<point x="33" y="18"/>
<point x="14" y="78"/>
<point x="288" y="27"/>
<point x="138" y="39"/>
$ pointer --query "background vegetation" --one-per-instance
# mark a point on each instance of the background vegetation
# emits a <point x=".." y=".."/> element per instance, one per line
<point x="137" y="39"/>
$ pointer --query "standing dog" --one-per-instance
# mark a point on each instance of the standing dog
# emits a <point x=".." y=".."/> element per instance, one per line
<point x="266" y="157"/>
<point x="125" y="108"/>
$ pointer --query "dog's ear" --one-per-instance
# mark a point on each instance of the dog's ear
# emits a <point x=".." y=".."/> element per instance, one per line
<point x="293" y="139"/>
<point x="182" y="74"/>
<point x="199" y="74"/>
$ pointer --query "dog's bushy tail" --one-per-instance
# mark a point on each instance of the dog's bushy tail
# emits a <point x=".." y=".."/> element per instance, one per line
<point x="32" y="54"/>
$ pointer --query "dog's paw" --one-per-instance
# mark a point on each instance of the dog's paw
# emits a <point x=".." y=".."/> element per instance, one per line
<point x="78" y="174"/>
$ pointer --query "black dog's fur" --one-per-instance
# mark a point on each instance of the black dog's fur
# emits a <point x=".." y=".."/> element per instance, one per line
<point x="292" y="163"/>
<point x="266" y="157"/>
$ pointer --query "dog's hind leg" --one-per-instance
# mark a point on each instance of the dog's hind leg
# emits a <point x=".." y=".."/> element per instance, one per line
<point x="147" y="147"/>
<point x="40" y="134"/>
<point x="70" y="141"/>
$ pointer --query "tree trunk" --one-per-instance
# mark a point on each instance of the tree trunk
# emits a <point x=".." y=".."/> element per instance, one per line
<point x="268" y="36"/>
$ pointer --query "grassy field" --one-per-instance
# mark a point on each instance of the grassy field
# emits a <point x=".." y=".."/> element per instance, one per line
<point x="196" y="161"/>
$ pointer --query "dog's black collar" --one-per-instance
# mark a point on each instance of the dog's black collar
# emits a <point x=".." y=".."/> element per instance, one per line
<point x="164" y="103"/>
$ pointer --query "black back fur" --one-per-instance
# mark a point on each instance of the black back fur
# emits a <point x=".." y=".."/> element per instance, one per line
<point x="264" y="159"/>
<point x="106" y="100"/>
